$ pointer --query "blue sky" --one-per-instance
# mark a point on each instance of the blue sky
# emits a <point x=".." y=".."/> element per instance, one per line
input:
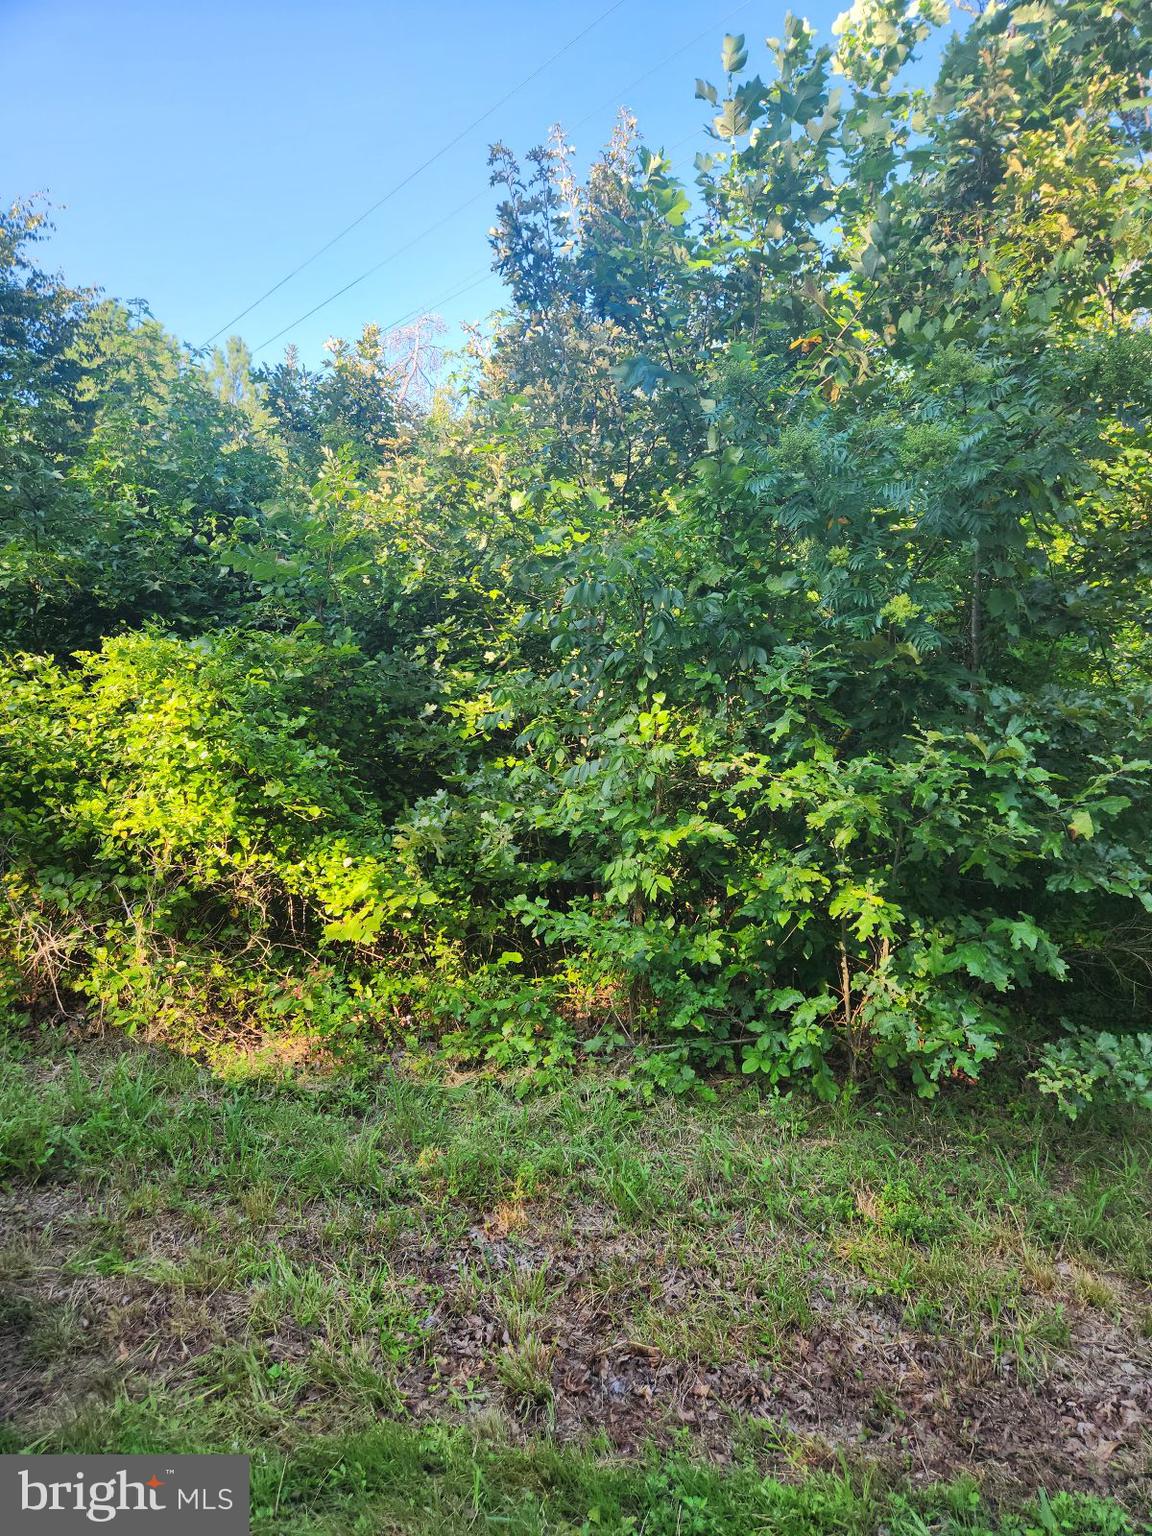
<point x="198" y="151"/>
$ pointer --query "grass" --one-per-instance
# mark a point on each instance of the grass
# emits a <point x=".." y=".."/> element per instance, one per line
<point x="431" y="1307"/>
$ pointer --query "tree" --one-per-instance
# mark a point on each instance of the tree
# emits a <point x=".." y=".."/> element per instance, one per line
<point x="362" y="399"/>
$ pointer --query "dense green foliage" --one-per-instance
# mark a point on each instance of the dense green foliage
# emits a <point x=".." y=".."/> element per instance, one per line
<point x="749" y="666"/>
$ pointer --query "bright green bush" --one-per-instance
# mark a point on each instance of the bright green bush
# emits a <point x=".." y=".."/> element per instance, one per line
<point x="179" y="840"/>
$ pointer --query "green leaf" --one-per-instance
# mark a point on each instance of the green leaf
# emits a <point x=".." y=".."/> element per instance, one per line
<point x="1082" y="825"/>
<point x="733" y="54"/>
<point x="639" y="373"/>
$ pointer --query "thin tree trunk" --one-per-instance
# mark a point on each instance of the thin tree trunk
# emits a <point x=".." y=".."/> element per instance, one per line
<point x="846" y="994"/>
<point x="975" y="618"/>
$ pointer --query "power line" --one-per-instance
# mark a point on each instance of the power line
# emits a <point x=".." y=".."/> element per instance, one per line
<point x="448" y="217"/>
<point x="421" y="309"/>
<point x="477" y="278"/>
<point x="426" y="309"/>
<point x="423" y="166"/>
<point x="392" y="255"/>
<point x="667" y="59"/>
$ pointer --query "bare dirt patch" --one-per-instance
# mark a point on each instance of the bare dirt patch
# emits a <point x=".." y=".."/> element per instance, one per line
<point x="857" y="1381"/>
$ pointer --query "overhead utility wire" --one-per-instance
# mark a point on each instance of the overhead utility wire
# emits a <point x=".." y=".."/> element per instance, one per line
<point x="392" y="255"/>
<point x="460" y="208"/>
<point x="421" y="309"/>
<point x="423" y="166"/>
<point x="481" y="275"/>
<point x="474" y="281"/>
<point x="667" y="59"/>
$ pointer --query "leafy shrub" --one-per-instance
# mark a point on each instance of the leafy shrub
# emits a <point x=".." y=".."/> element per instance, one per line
<point x="182" y="849"/>
<point x="1078" y="1070"/>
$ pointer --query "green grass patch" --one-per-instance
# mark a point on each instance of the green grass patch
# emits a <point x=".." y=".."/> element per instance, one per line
<point x="424" y="1307"/>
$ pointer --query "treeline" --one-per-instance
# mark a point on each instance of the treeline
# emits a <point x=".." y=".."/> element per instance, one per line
<point x="746" y="666"/>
